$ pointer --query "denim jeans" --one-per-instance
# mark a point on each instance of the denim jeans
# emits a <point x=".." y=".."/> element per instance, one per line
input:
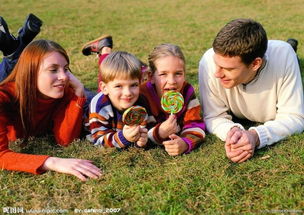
<point x="8" y="62"/>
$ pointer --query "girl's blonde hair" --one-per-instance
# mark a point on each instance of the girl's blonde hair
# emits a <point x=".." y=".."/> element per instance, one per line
<point x="120" y="64"/>
<point x="164" y="50"/>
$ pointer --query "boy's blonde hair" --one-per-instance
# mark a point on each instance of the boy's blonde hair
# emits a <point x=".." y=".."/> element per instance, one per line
<point x="164" y="50"/>
<point x="122" y="65"/>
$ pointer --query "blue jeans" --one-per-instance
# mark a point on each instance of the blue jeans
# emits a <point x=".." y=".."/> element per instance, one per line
<point x="8" y="63"/>
<point x="6" y="67"/>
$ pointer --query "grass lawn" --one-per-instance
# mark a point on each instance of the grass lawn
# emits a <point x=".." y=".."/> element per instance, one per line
<point x="138" y="181"/>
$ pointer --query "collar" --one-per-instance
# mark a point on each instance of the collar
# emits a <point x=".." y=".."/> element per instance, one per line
<point x="255" y="78"/>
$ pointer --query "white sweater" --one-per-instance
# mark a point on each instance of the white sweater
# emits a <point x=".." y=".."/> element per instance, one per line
<point x="274" y="97"/>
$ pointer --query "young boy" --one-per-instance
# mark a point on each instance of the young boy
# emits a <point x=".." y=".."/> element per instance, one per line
<point x="119" y="75"/>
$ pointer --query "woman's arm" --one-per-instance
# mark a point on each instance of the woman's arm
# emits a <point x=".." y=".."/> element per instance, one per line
<point x="69" y="116"/>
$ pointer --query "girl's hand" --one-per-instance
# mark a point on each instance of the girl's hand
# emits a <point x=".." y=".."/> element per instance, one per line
<point x="175" y="146"/>
<point x="168" y="127"/>
<point x="76" y="85"/>
<point x="82" y="169"/>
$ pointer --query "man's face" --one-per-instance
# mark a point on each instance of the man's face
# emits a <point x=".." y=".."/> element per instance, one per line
<point x="231" y="71"/>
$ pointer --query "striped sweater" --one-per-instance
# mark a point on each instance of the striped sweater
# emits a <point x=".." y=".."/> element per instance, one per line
<point x="189" y="118"/>
<point x="105" y="122"/>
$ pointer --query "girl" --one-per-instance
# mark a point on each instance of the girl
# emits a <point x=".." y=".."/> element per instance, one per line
<point x="182" y="132"/>
<point x="41" y="96"/>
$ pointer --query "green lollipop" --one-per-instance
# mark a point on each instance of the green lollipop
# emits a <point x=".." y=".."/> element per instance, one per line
<point x="172" y="102"/>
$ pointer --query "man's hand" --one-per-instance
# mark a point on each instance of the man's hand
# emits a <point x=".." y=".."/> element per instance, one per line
<point x="248" y="141"/>
<point x="236" y="156"/>
<point x="175" y="146"/>
<point x="234" y="135"/>
<point x="240" y="145"/>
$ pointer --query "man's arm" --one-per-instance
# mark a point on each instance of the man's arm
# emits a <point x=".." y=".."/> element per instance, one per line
<point x="215" y="111"/>
<point x="290" y="106"/>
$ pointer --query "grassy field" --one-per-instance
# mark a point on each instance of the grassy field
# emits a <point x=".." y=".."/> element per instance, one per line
<point x="140" y="181"/>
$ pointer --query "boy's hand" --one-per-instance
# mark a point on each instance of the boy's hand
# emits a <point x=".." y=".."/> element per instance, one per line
<point x="143" y="139"/>
<point x="76" y="85"/>
<point x="168" y="127"/>
<point x="175" y="146"/>
<point x="131" y="133"/>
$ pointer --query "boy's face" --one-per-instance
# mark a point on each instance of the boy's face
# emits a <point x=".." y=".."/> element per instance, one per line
<point x="123" y="93"/>
<point x="169" y="74"/>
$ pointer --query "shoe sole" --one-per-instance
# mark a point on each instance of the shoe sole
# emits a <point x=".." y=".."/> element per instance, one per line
<point x="93" y="41"/>
<point x="36" y="22"/>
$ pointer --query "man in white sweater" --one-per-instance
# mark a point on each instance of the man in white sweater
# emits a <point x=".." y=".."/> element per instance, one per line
<point x="246" y="76"/>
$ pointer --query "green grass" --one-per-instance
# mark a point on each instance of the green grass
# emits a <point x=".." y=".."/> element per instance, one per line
<point x="149" y="181"/>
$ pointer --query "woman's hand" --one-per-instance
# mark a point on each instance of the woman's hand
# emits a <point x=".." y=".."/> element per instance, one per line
<point x="82" y="169"/>
<point x="76" y="85"/>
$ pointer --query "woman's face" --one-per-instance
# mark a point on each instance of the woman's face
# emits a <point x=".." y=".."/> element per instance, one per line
<point x="52" y="76"/>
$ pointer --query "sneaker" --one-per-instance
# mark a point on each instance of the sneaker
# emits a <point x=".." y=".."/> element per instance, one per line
<point x="293" y="43"/>
<point x="96" y="45"/>
<point x="30" y="29"/>
<point x="8" y="43"/>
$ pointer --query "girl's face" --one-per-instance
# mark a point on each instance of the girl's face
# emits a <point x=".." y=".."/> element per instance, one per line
<point x="169" y="74"/>
<point x="123" y="93"/>
<point x="52" y="76"/>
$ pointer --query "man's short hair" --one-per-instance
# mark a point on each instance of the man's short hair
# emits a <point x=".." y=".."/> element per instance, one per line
<point x="245" y="38"/>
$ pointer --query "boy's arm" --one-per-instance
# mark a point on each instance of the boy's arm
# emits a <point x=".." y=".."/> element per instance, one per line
<point x="103" y="134"/>
<point x="101" y="122"/>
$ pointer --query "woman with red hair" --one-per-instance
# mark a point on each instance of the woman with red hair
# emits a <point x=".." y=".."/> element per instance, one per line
<point x="39" y="97"/>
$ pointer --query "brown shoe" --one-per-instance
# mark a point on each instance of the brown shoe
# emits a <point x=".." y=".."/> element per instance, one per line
<point x="96" y="45"/>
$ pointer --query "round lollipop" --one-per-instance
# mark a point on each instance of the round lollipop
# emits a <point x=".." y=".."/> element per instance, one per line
<point x="172" y="102"/>
<point x="135" y="115"/>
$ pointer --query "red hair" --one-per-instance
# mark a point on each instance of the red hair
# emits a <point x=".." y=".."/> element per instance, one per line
<point x="25" y="75"/>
